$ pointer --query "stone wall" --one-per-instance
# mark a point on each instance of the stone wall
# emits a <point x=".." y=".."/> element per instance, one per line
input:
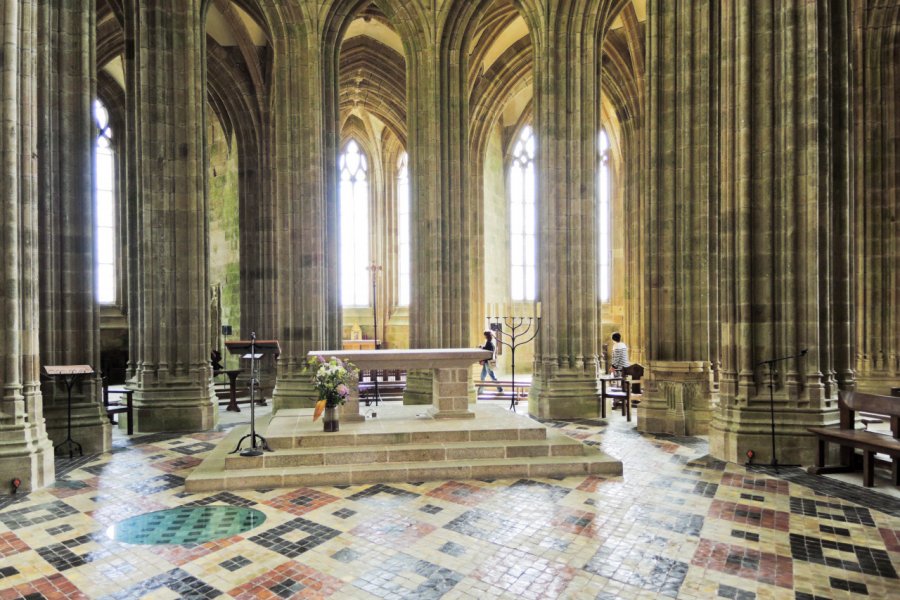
<point x="224" y="230"/>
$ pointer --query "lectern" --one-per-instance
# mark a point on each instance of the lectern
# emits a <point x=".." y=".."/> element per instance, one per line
<point x="253" y="349"/>
<point x="68" y="374"/>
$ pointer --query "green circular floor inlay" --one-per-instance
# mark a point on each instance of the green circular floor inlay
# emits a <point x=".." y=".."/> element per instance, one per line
<point x="186" y="525"/>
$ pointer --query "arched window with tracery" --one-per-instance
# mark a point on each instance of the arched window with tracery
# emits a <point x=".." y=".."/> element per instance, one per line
<point x="604" y="248"/>
<point x="354" y="201"/>
<point x="105" y="208"/>
<point x="523" y="217"/>
<point x="403" y="246"/>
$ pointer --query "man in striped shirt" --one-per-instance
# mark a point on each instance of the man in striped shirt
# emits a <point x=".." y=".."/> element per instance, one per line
<point x="619" y="359"/>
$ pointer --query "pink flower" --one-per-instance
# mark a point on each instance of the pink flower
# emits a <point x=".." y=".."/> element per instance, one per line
<point x="343" y="390"/>
<point x="320" y="359"/>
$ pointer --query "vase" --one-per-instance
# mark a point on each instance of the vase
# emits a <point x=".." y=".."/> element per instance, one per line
<point x="330" y="419"/>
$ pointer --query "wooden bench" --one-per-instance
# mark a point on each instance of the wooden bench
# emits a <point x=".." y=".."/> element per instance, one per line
<point x="483" y="388"/>
<point x="849" y="438"/>
<point x="391" y="383"/>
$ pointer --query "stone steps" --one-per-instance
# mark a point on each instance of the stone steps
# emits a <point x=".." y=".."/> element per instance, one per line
<point x="593" y="463"/>
<point x="295" y="429"/>
<point x="556" y="445"/>
<point x="440" y="436"/>
<point x="401" y="445"/>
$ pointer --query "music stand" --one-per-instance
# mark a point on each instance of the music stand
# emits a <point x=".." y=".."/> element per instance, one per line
<point x="253" y="350"/>
<point x="69" y="374"/>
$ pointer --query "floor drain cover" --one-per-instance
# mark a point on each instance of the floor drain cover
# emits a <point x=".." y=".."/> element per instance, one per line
<point x="186" y="525"/>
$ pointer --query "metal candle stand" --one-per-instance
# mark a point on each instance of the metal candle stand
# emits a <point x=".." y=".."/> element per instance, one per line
<point x="517" y="329"/>
<point x="253" y="346"/>
<point x="374" y="269"/>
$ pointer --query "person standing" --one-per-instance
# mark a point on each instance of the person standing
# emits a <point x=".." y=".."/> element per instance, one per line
<point x="486" y="364"/>
<point x="619" y="359"/>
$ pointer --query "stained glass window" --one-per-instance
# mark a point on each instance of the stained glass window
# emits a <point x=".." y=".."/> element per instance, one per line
<point x="403" y="261"/>
<point x="354" y="226"/>
<point x="604" y="257"/>
<point x="105" y="207"/>
<point x="522" y="217"/>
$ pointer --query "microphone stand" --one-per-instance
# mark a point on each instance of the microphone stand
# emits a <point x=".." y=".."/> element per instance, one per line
<point x="771" y="363"/>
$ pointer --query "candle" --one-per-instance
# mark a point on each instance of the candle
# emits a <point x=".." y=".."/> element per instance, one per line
<point x="538" y="315"/>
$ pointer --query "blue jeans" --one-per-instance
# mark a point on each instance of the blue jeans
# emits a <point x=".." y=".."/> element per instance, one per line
<point x="485" y="371"/>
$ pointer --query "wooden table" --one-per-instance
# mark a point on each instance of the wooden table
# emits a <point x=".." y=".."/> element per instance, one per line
<point x="232" y="388"/>
<point x="360" y="344"/>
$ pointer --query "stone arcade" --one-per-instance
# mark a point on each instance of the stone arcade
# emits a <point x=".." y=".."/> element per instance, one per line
<point x="751" y="205"/>
<point x="715" y="179"/>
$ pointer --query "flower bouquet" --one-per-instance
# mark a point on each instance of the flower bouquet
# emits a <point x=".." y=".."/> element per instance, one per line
<point x="332" y="378"/>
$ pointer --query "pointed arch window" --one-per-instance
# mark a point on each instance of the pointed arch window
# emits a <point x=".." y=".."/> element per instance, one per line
<point x="354" y="201"/>
<point x="403" y="239"/>
<point x="522" y="217"/>
<point x="604" y="249"/>
<point x="105" y="208"/>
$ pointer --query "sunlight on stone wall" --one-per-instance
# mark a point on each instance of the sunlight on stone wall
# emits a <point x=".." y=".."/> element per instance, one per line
<point x="224" y="224"/>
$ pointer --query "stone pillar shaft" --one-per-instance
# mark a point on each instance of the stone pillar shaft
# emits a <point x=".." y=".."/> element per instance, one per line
<point x="567" y="125"/>
<point x="681" y="216"/>
<point x="876" y="94"/>
<point x="785" y="222"/>
<point x="70" y="323"/>
<point x="441" y="240"/>
<point x="304" y="183"/>
<point x="25" y="450"/>
<point x="169" y="283"/>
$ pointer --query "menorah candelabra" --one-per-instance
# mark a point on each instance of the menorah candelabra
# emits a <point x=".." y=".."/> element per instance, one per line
<point x="518" y="331"/>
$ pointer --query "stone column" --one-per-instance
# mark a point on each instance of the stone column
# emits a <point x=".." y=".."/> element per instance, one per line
<point x="304" y="184"/>
<point x="441" y="233"/>
<point x="25" y="451"/>
<point x="876" y="248"/>
<point x="567" y="89"/>
<point x="70" y="323"/>
<point x="681" y="215"/>
<point x="785" y="217"/>
<point x="168" y="261"/>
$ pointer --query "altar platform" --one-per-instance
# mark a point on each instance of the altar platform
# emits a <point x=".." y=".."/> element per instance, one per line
<point x="404" y="443"/>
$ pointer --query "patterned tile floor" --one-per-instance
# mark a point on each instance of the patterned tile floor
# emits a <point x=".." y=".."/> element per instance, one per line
<point x="678" y="524"/>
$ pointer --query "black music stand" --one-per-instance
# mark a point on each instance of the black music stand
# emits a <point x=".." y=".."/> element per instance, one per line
<point x="253" y="350"/>
<point x="68" y="374"/>
<point x="771" y="363"/>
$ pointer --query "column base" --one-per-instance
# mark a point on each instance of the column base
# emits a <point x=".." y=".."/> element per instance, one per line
<point x="735" y="430"/>
<point x="294" y="391"/>
<point x="564" y="394"/>
<point x="173" y="407"/>
<point x="418" y="387"/>
<point x="90" y="426"/>
<point x="25" y="454"/>
<point x="677" y="398"/>
<point x="876" y="383"/>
